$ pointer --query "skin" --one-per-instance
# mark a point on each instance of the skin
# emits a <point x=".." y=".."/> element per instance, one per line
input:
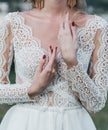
<point x="58" y="15"/>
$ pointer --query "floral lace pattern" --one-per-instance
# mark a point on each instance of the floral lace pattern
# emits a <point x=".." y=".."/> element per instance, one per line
<point x="9" y="93"/>
<point x="3" y="35"/>
<point x="61" y="92"/>
<point x="93" y="91"/>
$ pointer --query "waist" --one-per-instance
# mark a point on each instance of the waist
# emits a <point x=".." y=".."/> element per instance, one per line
<point x="48" y="108"/>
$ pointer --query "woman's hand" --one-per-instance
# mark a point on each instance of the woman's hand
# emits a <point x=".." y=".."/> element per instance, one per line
<point x="67" y="42"/>
<point x="43" y="75"/>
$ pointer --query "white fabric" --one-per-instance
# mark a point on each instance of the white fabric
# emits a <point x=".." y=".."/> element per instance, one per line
<point x="28" y="118"/>
<point x="58" y="107"/>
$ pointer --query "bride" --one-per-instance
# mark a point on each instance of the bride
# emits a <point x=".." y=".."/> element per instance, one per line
<point x="61" y="66"/>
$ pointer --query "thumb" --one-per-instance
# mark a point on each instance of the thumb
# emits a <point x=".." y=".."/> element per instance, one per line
<point x="42" y="63"/>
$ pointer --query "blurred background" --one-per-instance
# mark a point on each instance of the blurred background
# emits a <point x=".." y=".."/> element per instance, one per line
<point x="99" y="7"/>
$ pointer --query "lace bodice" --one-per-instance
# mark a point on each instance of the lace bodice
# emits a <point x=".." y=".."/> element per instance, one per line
<point x="68" y="86"/>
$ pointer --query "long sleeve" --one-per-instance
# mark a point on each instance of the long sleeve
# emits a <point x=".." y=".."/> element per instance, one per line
<point x="92" y="88"/>
<point x="9" y="93"/>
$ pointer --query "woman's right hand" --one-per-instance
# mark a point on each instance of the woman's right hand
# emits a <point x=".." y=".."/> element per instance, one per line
<point x="43" y="76"/>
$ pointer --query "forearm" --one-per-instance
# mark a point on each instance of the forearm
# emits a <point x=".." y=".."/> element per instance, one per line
<point x="90" y="93"/>
<point x="14" y="93"/>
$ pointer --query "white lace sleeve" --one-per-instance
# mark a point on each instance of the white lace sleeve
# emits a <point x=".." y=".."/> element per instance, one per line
<point x="92" y="89"/>
<point x="9" y="93"/>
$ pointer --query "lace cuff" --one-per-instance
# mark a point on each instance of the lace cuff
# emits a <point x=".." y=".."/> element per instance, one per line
<point x="14" y="93"/>
<point x="89" y="93"/>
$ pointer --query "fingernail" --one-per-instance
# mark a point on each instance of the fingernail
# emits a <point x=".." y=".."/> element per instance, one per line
<point x="44" y="56"/>
<point x="73" y="23"/>
<point x="56" y="47"/>
<point x="50" y="47"/>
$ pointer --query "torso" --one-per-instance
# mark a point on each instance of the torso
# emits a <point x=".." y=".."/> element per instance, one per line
<point x="28" y="52"/>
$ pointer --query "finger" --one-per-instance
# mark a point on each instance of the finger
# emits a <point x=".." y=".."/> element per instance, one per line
<point x="60" y="36"/>
<point x="54" y="54"/>
<point x="62" y="25"/>
<point x="52" y="59"/>
<point x="73" y="30"/>
<point x="66" y="24"/>
<point x="55" y="65"/>
<point x="42" y="63"/>
<point x="50" y="49"/>
<point x="53" y="71"/>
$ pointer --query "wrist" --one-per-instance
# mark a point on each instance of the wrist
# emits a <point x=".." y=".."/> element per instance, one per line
<point x="32" y="91"/>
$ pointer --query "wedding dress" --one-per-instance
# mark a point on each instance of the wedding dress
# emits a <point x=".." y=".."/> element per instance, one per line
<point x="63" y="105"/>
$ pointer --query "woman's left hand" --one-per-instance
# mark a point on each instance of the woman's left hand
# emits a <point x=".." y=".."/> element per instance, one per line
<point x="67" y="42"/>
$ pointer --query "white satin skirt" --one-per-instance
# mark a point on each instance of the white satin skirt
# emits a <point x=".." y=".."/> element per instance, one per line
<point x="27" y="117"/>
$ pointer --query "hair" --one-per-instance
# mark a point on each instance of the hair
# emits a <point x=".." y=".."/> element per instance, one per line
<point x="80" y="4"/>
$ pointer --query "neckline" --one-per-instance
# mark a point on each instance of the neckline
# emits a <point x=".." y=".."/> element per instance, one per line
<point x="37" y="40"/>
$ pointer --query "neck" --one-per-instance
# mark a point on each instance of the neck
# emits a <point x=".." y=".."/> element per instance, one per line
<point x="55" y="7"/>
